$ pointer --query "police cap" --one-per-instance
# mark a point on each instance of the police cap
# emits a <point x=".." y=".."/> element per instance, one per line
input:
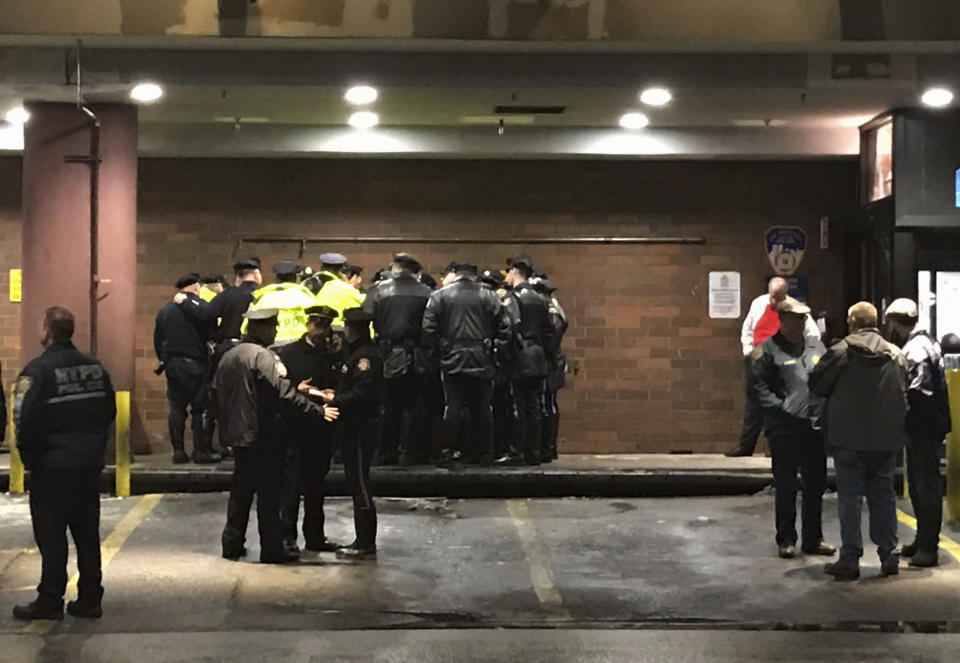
<point x="428" y="280"/>
<point x="211" y="278"/>
<point x="333" y="258"/>
<point x="520" y="259"/>
<point x="247" y="264"/>
<point x="357" y="316"/>
<point x="283" y="267"/>
<point x="450" y="267"/>
<point x="407" y="261"/>
<point x="187" y="280"/>
<point x="903" y="307"/>
<point x="320" y="312"/>
<point x="543" y="285"/>
<point x="492" y="277"/>
<point x="793" y="306"/>
<point x="261" y="314"/>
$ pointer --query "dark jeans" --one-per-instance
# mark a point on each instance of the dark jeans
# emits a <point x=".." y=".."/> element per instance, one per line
<point x="60" y="499"/>
<point x="401" y="410"/>
<point x="258" y="471"/>
<point x="357" y="444"/>
<point x="306" y="465"/>
<point x="752" y="412"/>
<point x="926" y="489"/>
<point x="867" y="473"/>
<point x="476" y="396"/>
<point x="793" y="450"/>
<point x="187" y="388"/>
<point x="529" y="416"/>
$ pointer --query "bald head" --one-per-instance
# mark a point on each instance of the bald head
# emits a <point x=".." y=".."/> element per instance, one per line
<point x="861" y="315"/>
<point x="777" y="289"/>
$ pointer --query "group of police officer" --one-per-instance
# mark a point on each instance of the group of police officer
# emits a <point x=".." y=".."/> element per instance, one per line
<point x="293" y="372"/>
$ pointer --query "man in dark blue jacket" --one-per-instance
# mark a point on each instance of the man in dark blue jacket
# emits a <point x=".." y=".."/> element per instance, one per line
<point x="64" y="407"/>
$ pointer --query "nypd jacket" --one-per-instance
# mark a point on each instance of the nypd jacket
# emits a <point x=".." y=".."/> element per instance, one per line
<point x="782" y="371"/>
<point x="358" y="393"/>
<point x="63" y="409"/>
<point x="251" y="389"/>
<point x="533" y="331"/>
<point x="397" y="305"/>
<point x="462" y="324"/>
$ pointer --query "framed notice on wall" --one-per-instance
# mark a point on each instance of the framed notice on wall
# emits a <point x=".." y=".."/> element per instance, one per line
<point x="724" y="297"/>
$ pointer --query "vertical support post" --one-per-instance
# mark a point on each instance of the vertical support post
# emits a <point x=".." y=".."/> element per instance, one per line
<point x="16" y="463"/>
<point x="122" y="473"/>
<point x="953" y="446"/>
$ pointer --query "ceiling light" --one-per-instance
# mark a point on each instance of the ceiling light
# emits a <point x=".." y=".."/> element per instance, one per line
<point x="937" y="97"/>
<point x="363" y="120"/>
<point x="146" y="92"/>
<point x="634" y="120"/>
<point x="759" y="123"/>
<point x="656" y="96"/>
<point x="361" y="94"/>
<point x="17" y="115"/>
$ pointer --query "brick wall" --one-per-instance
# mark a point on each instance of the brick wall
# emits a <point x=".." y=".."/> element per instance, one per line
<point x="9" y="259"/>
<point x="654" y="372"/>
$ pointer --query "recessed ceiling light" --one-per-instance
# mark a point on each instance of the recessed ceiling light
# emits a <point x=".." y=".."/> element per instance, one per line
<point x="146" y="92"/>
<point x="634" y="120"/>
<point x="361" y="94"/>
<point x="937" y="97"/>
<point x="17" y="115"/>
<point x="363" y="120"/>
<point x="656" y="96"/>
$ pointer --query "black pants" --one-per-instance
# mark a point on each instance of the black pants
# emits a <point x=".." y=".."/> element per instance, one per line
<point x="401" y="411"/>
<point x="926" y="488"/>
<point x="258" y="471"/>
<point x="752" y="412"/>
<point x="475" y="395"/>
<point x="551" y="423"/>
<point x="870" y="474"/>
<point x="306" y="465"/>
<point x="357" y="444"/>
<point x="800" y="450"/>
<point x="58" y="500"/>
<point x="504" y="419"/>
<point x="529" y="416"/>
<point x="187" y="388"/>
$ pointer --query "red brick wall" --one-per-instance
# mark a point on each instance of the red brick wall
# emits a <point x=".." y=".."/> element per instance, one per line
<point x="9" y="259"/>
<point x="654" y="372"/>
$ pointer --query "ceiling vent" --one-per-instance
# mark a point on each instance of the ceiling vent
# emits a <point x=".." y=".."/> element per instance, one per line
<point x="529" y="110"/>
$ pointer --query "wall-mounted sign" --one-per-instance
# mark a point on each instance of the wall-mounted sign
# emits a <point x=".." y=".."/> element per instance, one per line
<point x="724" y="297"/>
<point x="785" y="249"/>
<point x="16" y="285"/>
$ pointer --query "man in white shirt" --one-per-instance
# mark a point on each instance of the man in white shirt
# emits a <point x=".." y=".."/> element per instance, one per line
<point x="762" y="322"/>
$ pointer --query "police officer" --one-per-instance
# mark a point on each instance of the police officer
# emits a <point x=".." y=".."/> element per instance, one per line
<point x="463" y="324"/>
<point x="315" y="359"/>
<point x="504" y="408"/>
<point x="331" y="288"/>
<point x="396" y="306"/>
<point x="227" y="308"/>
<point x="532" y="331"/>
<point x="556" y="367"/>
<point x="179" y="340"/>
<point x="253" y="391"/>
<point x="64" y="407"/>
<point x="287" y="296"/>
<point x="782" y="365"/>
<point x="928" y="422"/>
<point x="357" y="397"/>
<point x="211" y="285"/>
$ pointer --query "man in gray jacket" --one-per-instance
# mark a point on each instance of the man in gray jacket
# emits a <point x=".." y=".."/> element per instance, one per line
<point x="863" y="378"/>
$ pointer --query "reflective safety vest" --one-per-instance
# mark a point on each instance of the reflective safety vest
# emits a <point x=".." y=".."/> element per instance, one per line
<point x="339" y="295"/>
<point x="206" y="294"/>
<point x="291" y="299"/>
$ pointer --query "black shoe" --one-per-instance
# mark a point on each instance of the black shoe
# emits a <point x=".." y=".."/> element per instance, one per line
<point x="387" y="460"/>
<point x="282" y="557"/>
<point x="180" y="457"/>
<point x="226" y="452"/>
<point x="485" y="461"/>
<point x="205" y="457"/>
<point x="820" y="548"/>
<point x="508" y="460"/>
<point x="841" y="571"/>
<point x="786" y="551"/>
<point x="738" y="452"/>
<point x="909" y="550"/>
<point x="87" y="610"/>
<point x="406" y="460"/>
<point x="38" y="610"/>
<point x="532" y="461"/>
<point x="291" y="548"/>
<point x="890" y="566"/>
<point x="925" y="559"/>
<point x="233" y="552"/>
<point x="356" y="553"/>
<point x="324" y="546"/>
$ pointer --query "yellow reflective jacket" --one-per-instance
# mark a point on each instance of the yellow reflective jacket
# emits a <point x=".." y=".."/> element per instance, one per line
<point x="206" y="294"/>
<point x="339" y="295"/>
<point x="291" y="299"/>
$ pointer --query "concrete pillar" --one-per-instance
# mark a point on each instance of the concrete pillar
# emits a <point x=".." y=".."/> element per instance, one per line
<point x="56" y="229"/>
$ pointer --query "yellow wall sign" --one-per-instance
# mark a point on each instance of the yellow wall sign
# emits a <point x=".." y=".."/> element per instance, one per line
<point x="16" y="285"/>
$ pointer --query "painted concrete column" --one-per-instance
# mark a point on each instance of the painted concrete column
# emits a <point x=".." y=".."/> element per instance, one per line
<point x="56" y="228"/>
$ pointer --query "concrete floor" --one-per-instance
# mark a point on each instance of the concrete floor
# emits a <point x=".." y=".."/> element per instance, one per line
<point x="473" y="568"/>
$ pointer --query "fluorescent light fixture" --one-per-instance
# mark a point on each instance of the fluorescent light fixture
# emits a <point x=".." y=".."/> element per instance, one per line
<point x="371" y="142"/>
<point x="17" y="115"/>
<point x="619" y="142"/>
<point x="937" y="97"/>
<point x="656" y="96"/>
<point x="146" y="92"/>
<point x="11" y="137"/>
<point x="363" y="120"/>
<point x="360" y="95"/>
<point x="634" y="120"/>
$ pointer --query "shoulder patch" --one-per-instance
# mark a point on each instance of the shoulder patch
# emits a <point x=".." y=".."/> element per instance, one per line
<point x="363" y="365"/>
<point x="23" y="385"/>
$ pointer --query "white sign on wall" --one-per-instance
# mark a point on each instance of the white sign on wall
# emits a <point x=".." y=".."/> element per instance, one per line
<point x="724" y="295"/>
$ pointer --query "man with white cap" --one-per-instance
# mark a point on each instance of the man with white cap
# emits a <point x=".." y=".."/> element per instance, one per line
<point x="781" y="366"/>
<point x="928" y="421"/>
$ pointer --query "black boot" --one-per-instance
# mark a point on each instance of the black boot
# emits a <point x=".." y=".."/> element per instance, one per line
<point x="180" y="456"/>
<point x="40" y="609"/>
<point x="90" y="607"/>
<point x="205" y="457"/>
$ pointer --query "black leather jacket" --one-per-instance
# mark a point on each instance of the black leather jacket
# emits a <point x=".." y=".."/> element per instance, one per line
<point x="397" y="306"/>
<point x="533" y="331"/>
<point x="462" y="325"/>
<point x="64" y="407"/>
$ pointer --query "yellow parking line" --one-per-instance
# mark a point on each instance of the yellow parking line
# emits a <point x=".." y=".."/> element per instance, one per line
<point x="541" y="570"/>
<point x="109" y="547"/>
<point x="945" y="542"/>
